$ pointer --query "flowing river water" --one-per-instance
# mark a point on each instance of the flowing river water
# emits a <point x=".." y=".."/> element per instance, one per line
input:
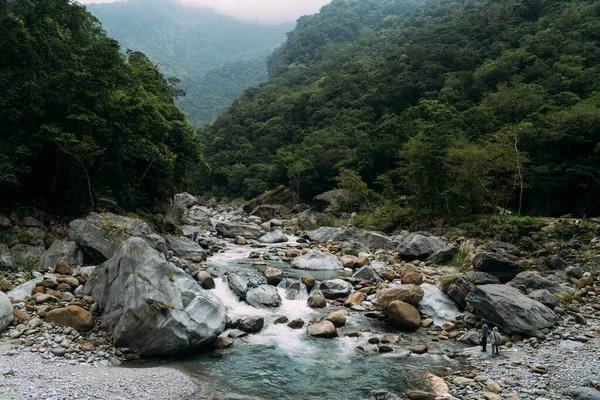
<point x="283" y="363"/>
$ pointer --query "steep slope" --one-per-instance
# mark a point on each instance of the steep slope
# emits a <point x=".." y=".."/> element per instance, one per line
<point x="189" y="42"/>
<point x="460" y="104"/>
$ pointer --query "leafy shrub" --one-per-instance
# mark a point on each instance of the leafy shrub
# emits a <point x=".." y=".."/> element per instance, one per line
<point x="446" y="281"/>
<point x="503" y="228"/>
<point x="386" y="217"/>
<point x="464" y="259"/>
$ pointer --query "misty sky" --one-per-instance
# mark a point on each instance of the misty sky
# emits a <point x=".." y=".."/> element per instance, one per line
<point x="266" y="11"/>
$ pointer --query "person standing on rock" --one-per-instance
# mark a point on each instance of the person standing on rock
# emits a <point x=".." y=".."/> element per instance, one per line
<point x="484" y="335"/>
<point x="495" y="338"/>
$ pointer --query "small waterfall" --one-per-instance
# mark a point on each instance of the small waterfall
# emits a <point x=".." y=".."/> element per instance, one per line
<point x="437" y="305"/>
<point x="294" y="289"/>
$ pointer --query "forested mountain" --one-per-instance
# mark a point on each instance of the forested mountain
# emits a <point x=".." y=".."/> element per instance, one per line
<point x="461" y="104"/>
<point x="194" y="45"/>
<point x="79" y="120"/>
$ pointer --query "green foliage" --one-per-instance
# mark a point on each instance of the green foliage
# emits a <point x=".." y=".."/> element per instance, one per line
<point x="80" y="120"/>
<point x="29" y="236"/>
<point x="503" y="228"/>
<point x="446" y="281"/>
<point x="385" y="217"/>
<point x="7" y="234"/>
<point x="26" y="263"/>
<point x="216" y="57"/>
<point x="463" y="260"/>
<point x="171" y="277"/>
<point x="468" y="107"/>
<point x="566" y="297"/>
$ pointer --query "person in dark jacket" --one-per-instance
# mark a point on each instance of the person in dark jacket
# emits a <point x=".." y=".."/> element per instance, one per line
<point x="484" y="335"/>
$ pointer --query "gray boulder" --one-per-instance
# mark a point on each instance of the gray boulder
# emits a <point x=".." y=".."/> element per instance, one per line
<point x="459" y="289"/>
<point x="186" y="249"/>
<point x="5" y="257"/>
<point x="317" y="260"/>
<point x="23" y="291"/>
<point x="353" y="248"/>
<point x="330" y="199"/>
<point x="199" y="215"/>
<point x="62" y="250"/>
<point x="509" y="309"/>
<point x="584" y="393"/>
<point x="324" y="234"/>
<point x="419" y="246"/>
<point x="295" y="289"/>
<point x="100" y="236"/>
<point x="186" y="199"/>
<point x="275" y="236"/>
<point x="366" y="273"/>
<point x="233" y="229"/>
<point x="251" y="324"/>
<point x="471" y="337"/>
<point x="189" y="268"/>
<point x="531" y="281"/>
<point x="152" y="307"/>
<point x="273" y="275"/>
<point x="545" y="297"/>
<point x="24" y="255"/>
<point x="495" y="264"/>
<point x="376" y="241"/>
<point x="335" y="289"/>
<point x="263" y="296"/>
<point x="437" y="305"/>
<point x="482" y="278"/>
<point x="6" y="311"/>
<point x="323" y="329"/>
<point x="502" y="247"/>
<point x="241" y="281"/>
<point x="444" y="255"/>
<point x="190" y="231"/>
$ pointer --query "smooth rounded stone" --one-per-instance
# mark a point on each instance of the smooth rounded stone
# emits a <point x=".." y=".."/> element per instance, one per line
<point x="419" y="349"/>
<point x="222" y="342"/>
<point x="316" y="301"/>
<point x="263" y="296"/>
<point x="510" y="310"/>
<point x="275" y="236"/>
<point x="349" y="261"/>
<point x="496" y="265"/>
<point x="417" y="395"/>
<point x="297" y="323"/>
<point x="367" y="273"/>
<point x="309" y="281"/>
<point x="281" y="320"/>
<point x="239" y="240"/>
<point x="493" y="387"/>
<point x="335" y="289"/>
<point x="404" y="315"/>
<point x="322" y="329"/>
<point x="6" y="312"/>
<point x="317" y="260"/>
<point x="252" y="324"/>
<point x="205" y="280"/>
<point x="461" y="381"/>
<point x="412" y="278"/>
<point x="337" y="318"/>
<point x="58" y="352"/>
<point x="419" y="246"/>
<point x="411" y="294"/>
<point x="382" y="348"/>
<point x="71" y="316"/>
<point x="35" y="323"/>
<point x="355" y="299"/>
<point x="151" y="306"/>
<point x="436" y="384"/>
<point x="273" y="275"/>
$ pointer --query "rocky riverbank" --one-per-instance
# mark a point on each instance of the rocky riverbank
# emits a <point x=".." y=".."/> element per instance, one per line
<point x="110" y="290"/>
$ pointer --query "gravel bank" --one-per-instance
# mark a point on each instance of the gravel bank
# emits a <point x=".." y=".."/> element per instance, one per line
<point x="28" y="376"/>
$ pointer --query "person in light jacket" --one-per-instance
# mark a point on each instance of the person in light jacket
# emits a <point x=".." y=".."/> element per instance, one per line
<point x="495" y="339"/>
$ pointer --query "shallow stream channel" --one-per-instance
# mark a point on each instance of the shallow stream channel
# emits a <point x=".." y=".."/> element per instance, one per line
<point x="284" y="363"/>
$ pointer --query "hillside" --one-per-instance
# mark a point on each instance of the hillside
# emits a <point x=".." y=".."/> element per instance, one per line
<point x="462" y="105"/>
<point x="190" y="43"/>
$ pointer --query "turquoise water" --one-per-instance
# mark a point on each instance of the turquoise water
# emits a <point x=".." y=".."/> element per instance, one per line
<point x="281" y="363"/>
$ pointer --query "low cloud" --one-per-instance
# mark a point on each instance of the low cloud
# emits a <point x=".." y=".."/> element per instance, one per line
<point x="265" y="11"/>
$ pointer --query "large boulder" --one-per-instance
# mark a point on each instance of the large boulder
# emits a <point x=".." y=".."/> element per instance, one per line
<point x="509" y="309"/>
<point x="411" y="294"/>
<point x="444" y="255"/>
<point x="317" y="260"/>
<point x="502" y="247"/>
<point x="323" y="329"/>
<point x="263" y="296"/>
<point x="366" y="273"/>
<point x="152" y="307"/>
<point x="101" y="235"/>
<point x="331" y="199"/>
<point x="531" y="281"/>
<point x="324" y="234"/>
<point x="584" y="393"/>
<point x="295" y="289"/>
<point x="186" y="249"/>
<point x="251" y="324"/>
<point x="267" y="212"/>
<point x="24" y="290"/>
<point x="545" y="297"/>
<point x="273" y="275"/>
<point x="404" y="316"/>
<point x="275" y="236"/>
<point x="199" y="215"/>
<point x="437" y="305"/>
<point x="6" y="311"/>
<point x="233" y="229"/>
<point x="72" y="316"/>
<point x="62" y="250"/>
<point x="186" y="199"/>
<point x="419" y="246"/>
<point x="241" y="281"/>
<point x="335" y="289"/>
<point x="376" y="241"/>
<point x="494" y="264"/>
<point x="459" y="289"/>
<point x="481" y="278"/>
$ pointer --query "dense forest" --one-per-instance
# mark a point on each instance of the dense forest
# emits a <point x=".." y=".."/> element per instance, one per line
<point x="80" y="121"/>
<point x="466" y="106"/>
<point x="216" y="57"/>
